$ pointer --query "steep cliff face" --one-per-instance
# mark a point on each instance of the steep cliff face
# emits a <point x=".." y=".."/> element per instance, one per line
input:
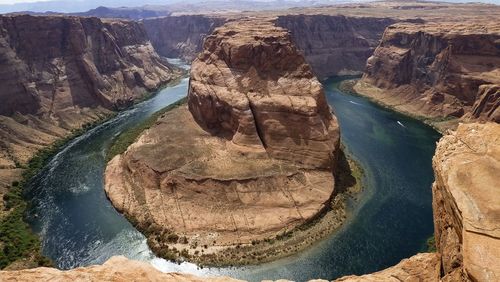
<point x="262" y="147"/>
<point x="57" y="73"/>
<point x="438" y="70"/>
<point x="466" y="203"/>
<point x="180" y="36"/>
<point x="258" y="91"/>
<point x="332" y="45"/>
<point x="335" y="45"/>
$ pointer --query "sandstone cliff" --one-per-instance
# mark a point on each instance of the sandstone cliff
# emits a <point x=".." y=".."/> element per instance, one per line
<point x="180" y="36"/>
<point x="332" y="44"/>
<point x="257" y="90"/>
<point x="466" y="202"/>
<point x="253" y="158"/>
<point x="58" y="73"/>
<point x="438" y="70"/>
<point x="335" y="45"/>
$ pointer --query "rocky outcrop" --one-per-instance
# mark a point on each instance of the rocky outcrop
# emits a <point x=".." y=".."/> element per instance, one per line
<point x="438" y="70"/>
<point x="252" y="86"/>
<point x="259" y="161"/>
<point x="335" y="44"/>
<point x="180" y="36"/>
<point x="58" y="73"/>
<point x="115" y="269"/>
<point x="466" y="203"/>
<point x="420" y="267"/>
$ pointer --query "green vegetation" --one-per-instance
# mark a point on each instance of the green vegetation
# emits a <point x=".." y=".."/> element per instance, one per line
<point x="17" y="241"/>
<point x="431" y="244"/>
<point x="126" y="138"/>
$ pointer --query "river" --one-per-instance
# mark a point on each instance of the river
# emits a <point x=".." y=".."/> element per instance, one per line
<point x="79" y="227"/>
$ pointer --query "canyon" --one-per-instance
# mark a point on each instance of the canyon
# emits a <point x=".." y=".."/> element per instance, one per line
<point x="59" y="73"/>
<point x="331" y="44"/>
<point x="185" y="37"/>
<point x="58" y="76"/>
<point x="466" y="216"/>
<point x="414" y="58"/>
<point x="439" y="72"/>
<point x="260" y="161"/>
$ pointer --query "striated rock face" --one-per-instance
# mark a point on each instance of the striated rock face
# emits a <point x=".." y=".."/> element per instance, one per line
<point x="251" y="159"/>
<point x="115" y="269"/>
<point x="466" y="203"/>
<point x="438" y="70"/>
<point x="335" y="45"/>
<point x="252" y="86"/>
<point x="58" y="73"/>
<point x="332" y="44"/>
<point x="180" y="36"/>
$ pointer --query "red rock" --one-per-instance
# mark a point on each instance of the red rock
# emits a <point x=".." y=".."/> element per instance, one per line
<point x="252" y="86"/>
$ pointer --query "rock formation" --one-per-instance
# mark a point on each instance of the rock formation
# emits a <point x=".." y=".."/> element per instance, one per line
<point x="420" y="267"/>
<point x="115" y="269"/>
<point x="58" y="73"/>
<point x="335" y="44"/>
<point x="180" y="36"/>
<point x="466" y="202"/>
<point x="254" y="155"/>
<point x="332" y="44"/>
<point x="256" y="89"/>
<point x="437" y="70"/>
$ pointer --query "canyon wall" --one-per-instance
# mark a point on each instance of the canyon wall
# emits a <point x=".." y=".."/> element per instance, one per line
<point x="466" y="202"/>
<point x="332" y="44"/>
<point x="58" y="73"/>
<point x="437" y="70"/>
<point x="180" y="36"/>
<point x="335" y="45"/>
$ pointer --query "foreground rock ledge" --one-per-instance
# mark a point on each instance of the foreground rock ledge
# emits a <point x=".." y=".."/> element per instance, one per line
<point x="251" y="159"/>
<point x="115" y="269"/>
<point x="466" y="202"/>
<point x="421" y="267"/>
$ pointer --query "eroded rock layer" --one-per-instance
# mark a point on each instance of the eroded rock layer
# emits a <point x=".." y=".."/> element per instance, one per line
<point x="332" y="44"/>
<point x="251" y="158"/>
<point x="466" y="202"/>
<point x="58" y="73"/>
<point x="438" y="70"/>
<point x="335" y="45"/>
<point x="180" y="36"/>
<point x="252" y="86"/>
